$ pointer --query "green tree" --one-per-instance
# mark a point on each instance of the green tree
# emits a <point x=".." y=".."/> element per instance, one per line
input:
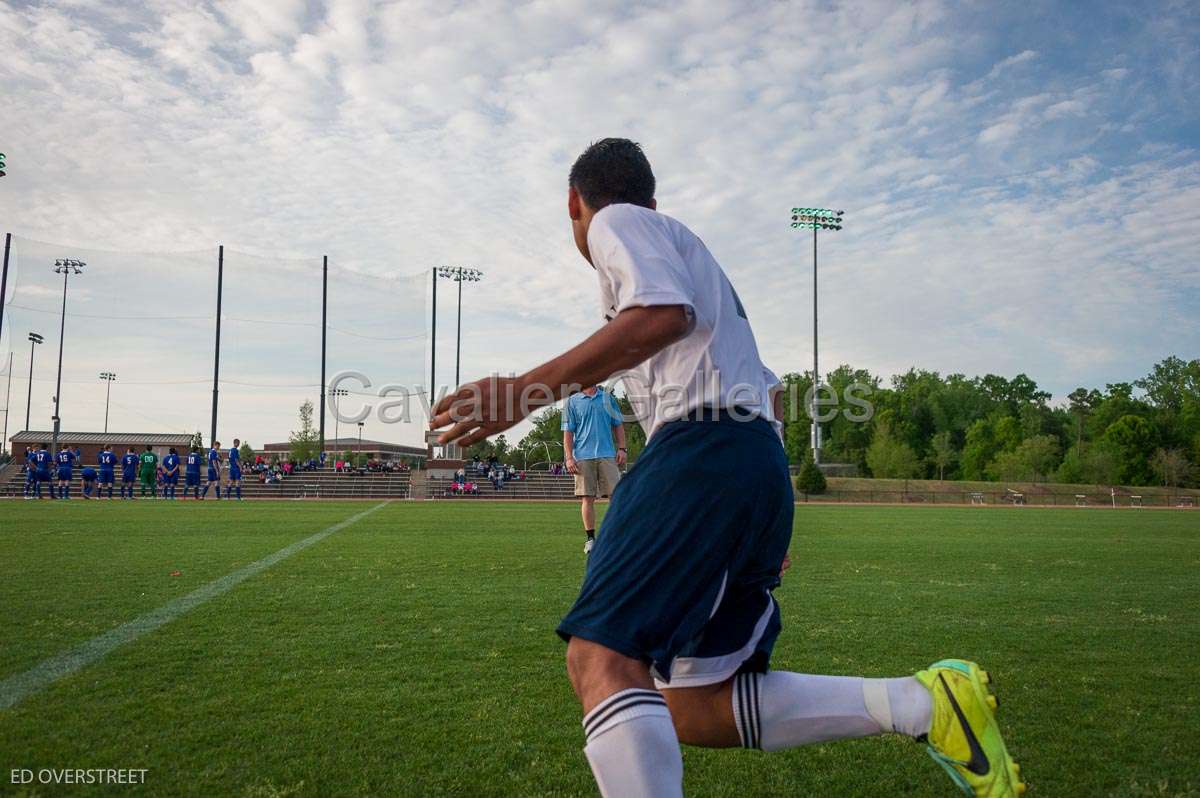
<point x="304" y="443"/>
<point x="246" y="452"/>
<point x="1133" y="439"/>
<point x="1172" y="466"/>
<point x="942" y="452"/>
<point x="197" y="440"/>
<point x="890" y="458"/>
<point x="979" y="450"/>
<point x="810" y="480"/>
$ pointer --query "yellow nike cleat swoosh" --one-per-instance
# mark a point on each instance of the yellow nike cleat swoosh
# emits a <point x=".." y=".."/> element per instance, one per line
<point x="964" y="737"/>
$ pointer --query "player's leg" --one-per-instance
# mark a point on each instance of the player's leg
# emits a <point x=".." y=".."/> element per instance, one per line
<point x="631" y="742"/>
<point x="777" y="710"/>
<point x="588" y="510"/>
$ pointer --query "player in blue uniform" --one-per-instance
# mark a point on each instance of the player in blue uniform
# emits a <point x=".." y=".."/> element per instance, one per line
<point x="107" y="460"/>
<point x="66" y="468"/>
<point x="192" y="473"/>
<point x="40" y="461"/>
<point x="30" y="473"/>
<point x="129" y="471"/>
<point x="235" y="471"/>
<point x="88" y="475"/>
<point x="170" y="473"/>
<point x="214" y="469"/>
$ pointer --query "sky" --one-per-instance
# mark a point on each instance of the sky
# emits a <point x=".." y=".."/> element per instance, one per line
<point x="1021" y="182"/>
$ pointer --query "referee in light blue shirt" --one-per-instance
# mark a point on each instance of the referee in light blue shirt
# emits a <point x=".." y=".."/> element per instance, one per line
<point x="591" y="421"/>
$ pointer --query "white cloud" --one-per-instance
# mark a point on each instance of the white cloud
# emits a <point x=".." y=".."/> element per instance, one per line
<point x="985" y="231"/>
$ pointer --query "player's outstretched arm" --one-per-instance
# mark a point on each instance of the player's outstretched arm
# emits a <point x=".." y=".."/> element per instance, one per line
<point x="491" y="405"/>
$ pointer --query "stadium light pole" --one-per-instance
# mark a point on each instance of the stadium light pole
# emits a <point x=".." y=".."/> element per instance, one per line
<point x="816" y="219"/>
<point x="108" y="378"/>
<point x="34" y="340"/>
<point x="359" y="453"/>
<point x="7" y="402"/>
<point x="66" y="267"/>
<point x="460" y="275"/>
<point x="337" y="408"/>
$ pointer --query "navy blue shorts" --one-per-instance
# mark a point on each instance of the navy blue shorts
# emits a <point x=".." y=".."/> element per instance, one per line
<point x="683" y="568"/>
<point x="64" y="474"/>
<point x="235" y="474"/>
<point x="106" y="476"/>
<point x="213" y="476"/>
<point x="193" y="479"/>
<point x="170" y="479"/>
<point x="128" y="476"/>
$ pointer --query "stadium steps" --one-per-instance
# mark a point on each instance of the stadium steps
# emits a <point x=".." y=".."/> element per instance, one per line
<point x="312" y="484"/>
<point x="537" y="486"/>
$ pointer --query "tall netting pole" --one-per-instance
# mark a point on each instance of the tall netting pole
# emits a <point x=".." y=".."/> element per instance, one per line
<point x="433" y="345"/>
<point x="217" y="347"/>
<point x="324" y="331"/>
<point x="4" y="280"/>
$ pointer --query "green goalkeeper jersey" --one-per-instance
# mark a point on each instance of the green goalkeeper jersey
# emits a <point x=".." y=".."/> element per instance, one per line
<point x="148" y="460"/>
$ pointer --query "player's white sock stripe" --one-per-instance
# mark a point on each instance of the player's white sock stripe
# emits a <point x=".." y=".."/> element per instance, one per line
<point x="617" y="696"/>
<point x="615" y="704"/>
<point x="746" y="709"/>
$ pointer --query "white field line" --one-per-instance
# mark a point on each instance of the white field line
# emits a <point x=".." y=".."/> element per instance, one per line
<point x="17" y="688"/>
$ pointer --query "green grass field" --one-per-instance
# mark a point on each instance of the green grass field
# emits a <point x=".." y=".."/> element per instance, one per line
<point x="413" y="652"/>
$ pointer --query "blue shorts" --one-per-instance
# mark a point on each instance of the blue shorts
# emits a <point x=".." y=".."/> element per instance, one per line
<point x="683" y="568"/>
<point x="235" y="474"/>
<point x="213" y="476"/>
<point x="41" y="476"/>
<point x="170" y="479"/>
<point x="106" y="476"/>
<point x="64" y="475"/>
<point x="193" y="479"/>
<point x="128" y="476"/>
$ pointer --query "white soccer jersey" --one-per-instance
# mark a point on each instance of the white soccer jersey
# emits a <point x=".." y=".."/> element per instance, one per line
<point x="644" y="258"/>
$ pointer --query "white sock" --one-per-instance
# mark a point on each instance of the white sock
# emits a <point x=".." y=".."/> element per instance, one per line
<point x="632" y="747"/>
<point x="778" y="710"/>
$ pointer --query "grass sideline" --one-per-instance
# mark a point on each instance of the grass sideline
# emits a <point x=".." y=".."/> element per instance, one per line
<point x="413" y="653"/>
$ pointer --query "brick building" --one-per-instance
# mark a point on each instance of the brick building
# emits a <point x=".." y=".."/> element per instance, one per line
<point x="90" y="443"/>
<point x="374" y="450"/>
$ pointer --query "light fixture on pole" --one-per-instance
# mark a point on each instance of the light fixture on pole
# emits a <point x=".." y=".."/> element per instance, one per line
<point x="108" y="378"/>
<point x="334" y="393"/>
<point x="816" y="219"/>
<point x="66" y="267"/>
<point x="34" y="340"/>
<point x="460" y="275"/>
<point x="358" y="455"/>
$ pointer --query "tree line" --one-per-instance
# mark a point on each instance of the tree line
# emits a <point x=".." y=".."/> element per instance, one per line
<point x="992" y="428"/>
<point x="923" y="425"/>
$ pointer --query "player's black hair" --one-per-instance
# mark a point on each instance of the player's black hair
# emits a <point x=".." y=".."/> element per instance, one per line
<point x="172" y="450"/>
<point x="149" y="447"/>
<point x="611" y="171"/>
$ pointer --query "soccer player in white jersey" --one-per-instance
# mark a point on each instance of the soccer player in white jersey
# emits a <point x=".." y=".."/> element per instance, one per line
<point x="671" y="635"/>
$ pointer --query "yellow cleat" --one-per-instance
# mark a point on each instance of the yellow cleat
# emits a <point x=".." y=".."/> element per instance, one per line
<point x="964" y="737"/>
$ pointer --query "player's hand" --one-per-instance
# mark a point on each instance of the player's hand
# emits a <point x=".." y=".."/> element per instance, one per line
<point x="572" y="466"/>
<point x="483" y="408"/>
<point x="621" y="457"/>
<point x="787" y="563"/>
